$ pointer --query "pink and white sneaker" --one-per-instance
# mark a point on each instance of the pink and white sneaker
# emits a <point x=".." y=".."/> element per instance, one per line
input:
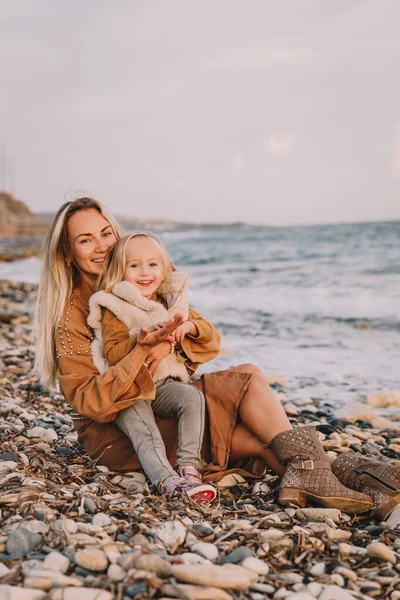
<point x="197" y="491"/>
<point x="174" y="486"/>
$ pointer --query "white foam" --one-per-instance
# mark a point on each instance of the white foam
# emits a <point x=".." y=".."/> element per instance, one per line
<point x="27" y="270"/>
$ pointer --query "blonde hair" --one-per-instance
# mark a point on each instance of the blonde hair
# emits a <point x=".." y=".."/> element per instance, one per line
<point x="115" y="264"/>
<point x="58" y="278"/>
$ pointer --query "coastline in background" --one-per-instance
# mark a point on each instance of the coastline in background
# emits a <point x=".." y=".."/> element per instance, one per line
<point x="318" y="305"/>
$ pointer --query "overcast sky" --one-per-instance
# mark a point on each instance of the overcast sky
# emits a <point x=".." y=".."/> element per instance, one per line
<point x="283" y="111"/>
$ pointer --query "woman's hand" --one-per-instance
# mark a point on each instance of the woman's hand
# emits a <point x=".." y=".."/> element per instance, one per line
<point x="156" y="354"/>
<point x="182" y="330"/>
<point x="162" y="332"/>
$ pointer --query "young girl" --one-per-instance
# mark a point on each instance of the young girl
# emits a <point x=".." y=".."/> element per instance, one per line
<point x="140" y="288"/>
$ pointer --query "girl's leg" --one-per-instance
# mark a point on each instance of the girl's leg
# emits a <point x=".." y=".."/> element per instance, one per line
<point x="187" y="404"/>
<point x="138" y="423"/>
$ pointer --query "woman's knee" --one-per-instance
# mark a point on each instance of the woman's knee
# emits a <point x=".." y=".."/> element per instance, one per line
<point x="249" y="368"/>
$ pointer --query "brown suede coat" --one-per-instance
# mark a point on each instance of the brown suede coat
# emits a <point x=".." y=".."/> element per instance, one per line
<point x="98" y="398"/>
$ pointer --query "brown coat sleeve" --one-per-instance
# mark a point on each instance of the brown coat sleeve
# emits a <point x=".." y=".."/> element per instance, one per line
<point x="199" y="349"/>
<point x="116" y="339"/>
<point x="97" y="397"/>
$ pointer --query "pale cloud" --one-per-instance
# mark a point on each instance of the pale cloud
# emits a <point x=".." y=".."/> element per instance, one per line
<point x="212" y="101"/>
<point x="395" y="166"/>
<point x="238" y="164"/>
<point x="280" y="144"/>
<point x="260" y="55"/>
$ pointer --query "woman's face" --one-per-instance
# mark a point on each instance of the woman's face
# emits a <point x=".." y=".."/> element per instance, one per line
<point x="90" y="237"/>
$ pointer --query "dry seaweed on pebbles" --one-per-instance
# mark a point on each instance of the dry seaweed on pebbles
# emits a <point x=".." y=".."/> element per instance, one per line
<point x="72" y="530"/>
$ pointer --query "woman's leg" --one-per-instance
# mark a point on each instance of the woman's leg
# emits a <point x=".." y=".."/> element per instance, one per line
<point x="261" y="417"/>
<point x="308" y="476"/>
<point x="246" y="445"/>
<point x="260" y="410"/>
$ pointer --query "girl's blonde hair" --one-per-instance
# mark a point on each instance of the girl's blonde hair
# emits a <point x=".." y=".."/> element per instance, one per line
<point x="58" y="278"/>
<point x="115" y="264"/>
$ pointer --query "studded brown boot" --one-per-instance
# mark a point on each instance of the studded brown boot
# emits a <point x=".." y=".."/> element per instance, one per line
<point x="379" y="480"/>
<point x="308" y="477"/>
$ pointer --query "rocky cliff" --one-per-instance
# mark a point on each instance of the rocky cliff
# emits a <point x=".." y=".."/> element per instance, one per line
<point x="15" y="217"/>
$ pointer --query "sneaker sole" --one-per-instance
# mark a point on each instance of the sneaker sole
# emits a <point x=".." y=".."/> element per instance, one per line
<point x="202" y="494"/>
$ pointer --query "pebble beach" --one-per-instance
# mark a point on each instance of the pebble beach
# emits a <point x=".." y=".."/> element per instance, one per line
<point x="72" y="530"/>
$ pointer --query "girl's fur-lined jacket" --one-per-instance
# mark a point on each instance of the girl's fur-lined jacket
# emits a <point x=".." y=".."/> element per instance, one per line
<point x="135" y="311"/>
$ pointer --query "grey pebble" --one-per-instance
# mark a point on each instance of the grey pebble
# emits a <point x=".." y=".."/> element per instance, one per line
<point x="21" y="542"/>
<point x="134" y="590"/>
<point x="237" y="555"/>
<point x="6" y="456"/>
<point x="90" y="505"/>
<point x="202" y="530"/>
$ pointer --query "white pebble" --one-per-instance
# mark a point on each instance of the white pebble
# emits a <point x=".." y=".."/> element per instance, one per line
<point x="337" y="579"/>
<point x="318" y="514"/>
<point x="101" y="520"/>
<point x="12" y="592"/>
<point x="256" y="565"/>
<point x="291" y="577"/>
<point x="230" y="577"/>
<point x="55" y="561"/>
<point x="381" y="551"/>
<point x="271" y="535"/>
<point x="64" y="526"/>
<point x="8" y="466"/>
<point x="92" y="559"/>
<point x="300" y="596"/>
<point x="190" y="558"/>
<point x="116" y="573"/>
<point x="282" y="593"/>
<point x="339" y="535"/>
<point x="43" y="579"/>
<point x="265" y="588"/>
<point x="4" y="570"/>
<point x="334" y="592"/>
<point x="170" y="533"/>
<point x="350" y="550"/>
<point x="394" y="520"/>
<point x="318" y="570"/>
<point x="35" y="526"/>
<point x="260" y="487"/>
<point x="80" y="594"/>
<point x="206" y="550"/>
<point x="314" y="588"/>
<point x="46" y="435"/>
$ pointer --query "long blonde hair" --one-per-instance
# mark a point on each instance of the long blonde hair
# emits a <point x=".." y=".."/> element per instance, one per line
<point x="115" y="264"/>
<point x="58" y="278"/>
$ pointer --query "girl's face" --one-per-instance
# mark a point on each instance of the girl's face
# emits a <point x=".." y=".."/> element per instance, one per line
<point x="144" y="266"/>
<point x="90" y="237"/>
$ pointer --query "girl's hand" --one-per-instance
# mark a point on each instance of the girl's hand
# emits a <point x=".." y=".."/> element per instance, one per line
<point x="182" y="330"/>
<point x="156" y="355"/>
<point x="162" y="332"/>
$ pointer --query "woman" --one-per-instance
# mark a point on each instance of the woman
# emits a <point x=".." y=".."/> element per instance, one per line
<point x="244" y="417"/>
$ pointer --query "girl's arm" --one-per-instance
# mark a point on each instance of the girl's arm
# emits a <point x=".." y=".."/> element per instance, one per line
<point x="116" y="339"/>
<point x="199" y="348"/>
<point x="98" y="397"/>
<point x="101" y="397"/>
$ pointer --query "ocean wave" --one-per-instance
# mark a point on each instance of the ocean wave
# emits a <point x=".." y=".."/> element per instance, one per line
<point x="316" y="302"/>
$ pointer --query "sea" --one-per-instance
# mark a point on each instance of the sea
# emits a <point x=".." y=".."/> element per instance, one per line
<point x="316" y="305"/>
